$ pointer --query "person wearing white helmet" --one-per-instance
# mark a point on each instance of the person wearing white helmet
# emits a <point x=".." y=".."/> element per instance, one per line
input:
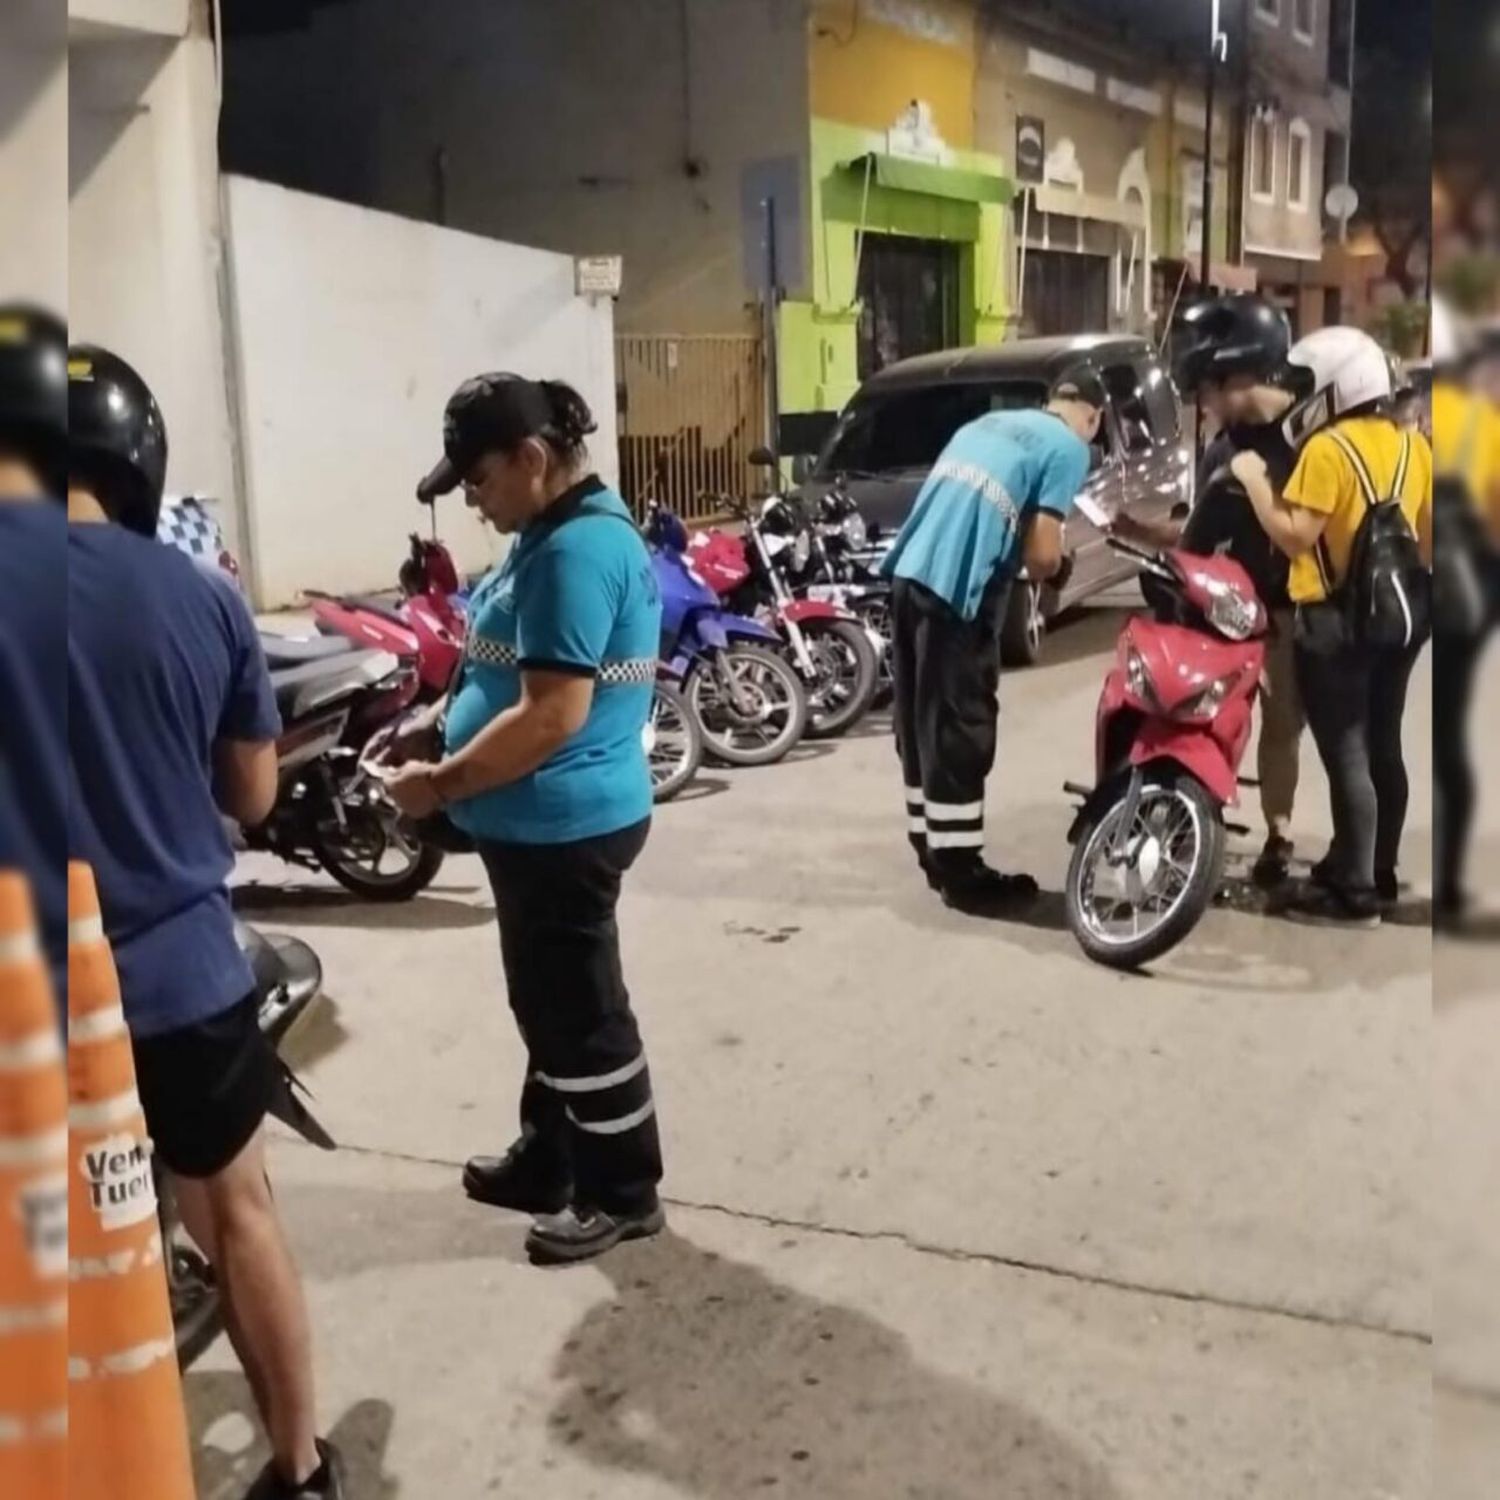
<point x="1352" y="457"/>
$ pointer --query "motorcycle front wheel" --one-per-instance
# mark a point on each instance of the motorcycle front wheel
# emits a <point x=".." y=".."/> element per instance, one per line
<point x="750" y="704"/>
<point x="673" y="741"/>
<point x="875" y="614"/>
<point x="375" y="852"/>
<point x="1127" y="915"/>
<point x="845" y="675"/>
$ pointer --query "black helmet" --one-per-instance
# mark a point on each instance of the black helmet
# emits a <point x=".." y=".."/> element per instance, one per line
<point x="1238" y="334"/>
<point x="34" y="390"/>
<point x="117" y="441"/>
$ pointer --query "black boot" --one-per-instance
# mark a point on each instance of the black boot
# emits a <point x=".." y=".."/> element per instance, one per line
<point x="528" y="1178"/>
<point x="579" y="1233"/>
<point x="969" y="885"/>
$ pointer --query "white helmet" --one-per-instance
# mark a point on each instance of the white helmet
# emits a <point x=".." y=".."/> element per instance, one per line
<point x="1333" y="372"/>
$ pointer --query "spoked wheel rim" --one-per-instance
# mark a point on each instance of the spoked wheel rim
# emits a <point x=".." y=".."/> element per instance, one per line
<point x="835" y="674"/>
<point x="877" y="617"/>
<point x="668" y="740"/>
<point x="766" y="709"/>
<point x="1122" y="905"/>
<point x="376" y="841"/>
<point x="1036" y="622"/>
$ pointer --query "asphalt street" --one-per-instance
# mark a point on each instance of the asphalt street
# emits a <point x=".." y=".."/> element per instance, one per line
<point x="954" y="1213"/>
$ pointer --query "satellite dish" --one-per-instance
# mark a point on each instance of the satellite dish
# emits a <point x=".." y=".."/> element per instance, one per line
<point x="1342" y="201"/>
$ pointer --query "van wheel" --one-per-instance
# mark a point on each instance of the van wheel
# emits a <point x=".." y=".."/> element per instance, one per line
<point x="1025" y="626"/>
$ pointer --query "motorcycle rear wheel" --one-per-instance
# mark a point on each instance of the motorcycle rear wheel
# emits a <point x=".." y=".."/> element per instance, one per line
<point x="848" y="675"/>
<point x="674" y="743"/>
<point x="1180" y="829"/>
<point x="779" y="717"/>
<point x="351" y="864"/>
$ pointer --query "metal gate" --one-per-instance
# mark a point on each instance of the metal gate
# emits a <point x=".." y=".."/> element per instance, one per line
<point x="692" y="409"/>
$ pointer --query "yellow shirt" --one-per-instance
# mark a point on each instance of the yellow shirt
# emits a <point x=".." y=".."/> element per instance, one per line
<point x="1325" y="481"/>
<point x="1466" y="435"/>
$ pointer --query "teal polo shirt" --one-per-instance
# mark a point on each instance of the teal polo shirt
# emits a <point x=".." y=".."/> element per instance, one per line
<point x="576" y="593"/>
<point x="969" y="521"/>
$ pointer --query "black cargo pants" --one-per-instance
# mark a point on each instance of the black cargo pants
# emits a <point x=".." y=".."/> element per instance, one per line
<point x="586" y="1104"/>
<point x="947" y="678"/>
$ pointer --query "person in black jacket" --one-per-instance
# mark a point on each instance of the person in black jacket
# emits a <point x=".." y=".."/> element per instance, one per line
<point x="1230" y="352"/>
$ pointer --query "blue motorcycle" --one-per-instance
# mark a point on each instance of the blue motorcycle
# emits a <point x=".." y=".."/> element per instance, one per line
<point x="746" y="696"/>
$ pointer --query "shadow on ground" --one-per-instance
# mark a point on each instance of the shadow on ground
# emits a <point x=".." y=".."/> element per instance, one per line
<point x="331" y="906"/>
<point x="362" y="1435"/>
<point x="710" y="1376"/>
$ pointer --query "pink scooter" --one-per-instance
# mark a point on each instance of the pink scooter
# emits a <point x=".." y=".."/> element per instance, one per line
<point x="427" y="626"/>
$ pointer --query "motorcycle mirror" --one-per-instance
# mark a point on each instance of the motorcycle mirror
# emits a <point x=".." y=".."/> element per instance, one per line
<point x="762" y="458"/>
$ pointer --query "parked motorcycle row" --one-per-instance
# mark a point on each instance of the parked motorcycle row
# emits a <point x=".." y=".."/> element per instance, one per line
<point x="775" y="631"/>
<point x="771" y="633"/>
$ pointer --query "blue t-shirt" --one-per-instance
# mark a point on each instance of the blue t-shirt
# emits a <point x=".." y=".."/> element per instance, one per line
<point x="576" y="593"/>
<point x="970" y="517"/>
<point x="34" y="713"/>
<point x="163" y="662"/>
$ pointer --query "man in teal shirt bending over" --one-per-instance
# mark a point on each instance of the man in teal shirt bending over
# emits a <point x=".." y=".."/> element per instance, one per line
<point x="995" y="502"/>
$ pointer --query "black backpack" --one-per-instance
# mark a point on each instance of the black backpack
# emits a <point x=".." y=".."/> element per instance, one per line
<point x="1387" y="593"/>
<point x="1460" y="597"/>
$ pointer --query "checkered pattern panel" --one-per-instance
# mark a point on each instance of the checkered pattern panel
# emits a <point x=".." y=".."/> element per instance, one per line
<point x="628" y="673"/>
<point x="611" y="674"/>
<point x="187" y="525"/>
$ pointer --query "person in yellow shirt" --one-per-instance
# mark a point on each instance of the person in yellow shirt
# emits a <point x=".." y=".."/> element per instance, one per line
<point x="1466" y="447"/>
<point x="1351" y="448"/>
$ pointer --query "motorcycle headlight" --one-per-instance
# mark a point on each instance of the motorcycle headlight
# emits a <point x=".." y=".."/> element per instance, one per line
<point x="1206" y="704"/>
<point x="1137" y="679"/>
<point x="856" y="533"/>
<point x="801" y="551"/>
<point x="1231" y="614"/>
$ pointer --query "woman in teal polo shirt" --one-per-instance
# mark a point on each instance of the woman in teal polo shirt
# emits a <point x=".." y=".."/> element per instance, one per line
<point x="544" y="767"/>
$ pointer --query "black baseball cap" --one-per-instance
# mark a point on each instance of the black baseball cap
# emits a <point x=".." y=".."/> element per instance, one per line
<point x="489" y="412"/>
<point x="1079" y="382"/>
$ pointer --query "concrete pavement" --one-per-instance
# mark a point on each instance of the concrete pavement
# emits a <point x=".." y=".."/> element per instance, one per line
<point x="955" y="1213"/>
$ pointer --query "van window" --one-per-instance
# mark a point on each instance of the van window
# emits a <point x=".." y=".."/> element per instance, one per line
<point x="889" y="431"/>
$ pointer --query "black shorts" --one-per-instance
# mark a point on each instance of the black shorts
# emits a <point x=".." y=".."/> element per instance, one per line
<point x="206" y="1088"/>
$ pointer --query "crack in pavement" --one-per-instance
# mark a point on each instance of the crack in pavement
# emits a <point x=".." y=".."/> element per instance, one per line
<point x="980" y="1257"/>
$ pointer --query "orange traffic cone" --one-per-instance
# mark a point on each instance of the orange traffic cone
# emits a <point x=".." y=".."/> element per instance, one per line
<point x="128" y="1436"/>
<point x="33" y="1214"/>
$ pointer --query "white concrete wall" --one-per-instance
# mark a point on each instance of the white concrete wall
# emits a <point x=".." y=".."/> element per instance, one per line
<point x="585" y="126"/>
<point x="145" y="245"/>
<point x="160" y="17"/>
<point x="34" y="153"/>
<point x="353" y="328"/>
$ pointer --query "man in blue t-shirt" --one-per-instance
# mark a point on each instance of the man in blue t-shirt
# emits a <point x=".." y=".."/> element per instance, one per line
<point x="172" y="720"/>
<point x="994" y="502"/>
<point x="33" y="576"/>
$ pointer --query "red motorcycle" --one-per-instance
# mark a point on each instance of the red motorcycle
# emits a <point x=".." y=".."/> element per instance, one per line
<point x="835" y="654"/>
<point x="427" y="627"/>
<point x="1172" y="727"/>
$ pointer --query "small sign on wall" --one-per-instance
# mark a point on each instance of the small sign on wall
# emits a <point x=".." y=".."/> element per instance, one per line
<point x="1031" y="148"/>
<point x="599" y="275"/>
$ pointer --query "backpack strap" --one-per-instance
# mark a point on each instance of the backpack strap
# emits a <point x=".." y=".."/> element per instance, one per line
<point x="1361" y="468"/>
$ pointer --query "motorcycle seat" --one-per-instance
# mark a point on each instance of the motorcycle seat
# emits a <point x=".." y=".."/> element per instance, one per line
<point x="296" y="651"/>
<point x="303" y="688"/>
<point x="380" y="610"/>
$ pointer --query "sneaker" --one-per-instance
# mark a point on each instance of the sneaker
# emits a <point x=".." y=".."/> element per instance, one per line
<point x="579" y="1233"/>
<point x="1325" y="906"/>
<point x="1275" y="863"/>
<point x="326" y="1483"/>
<point x="518" y="1180"/>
